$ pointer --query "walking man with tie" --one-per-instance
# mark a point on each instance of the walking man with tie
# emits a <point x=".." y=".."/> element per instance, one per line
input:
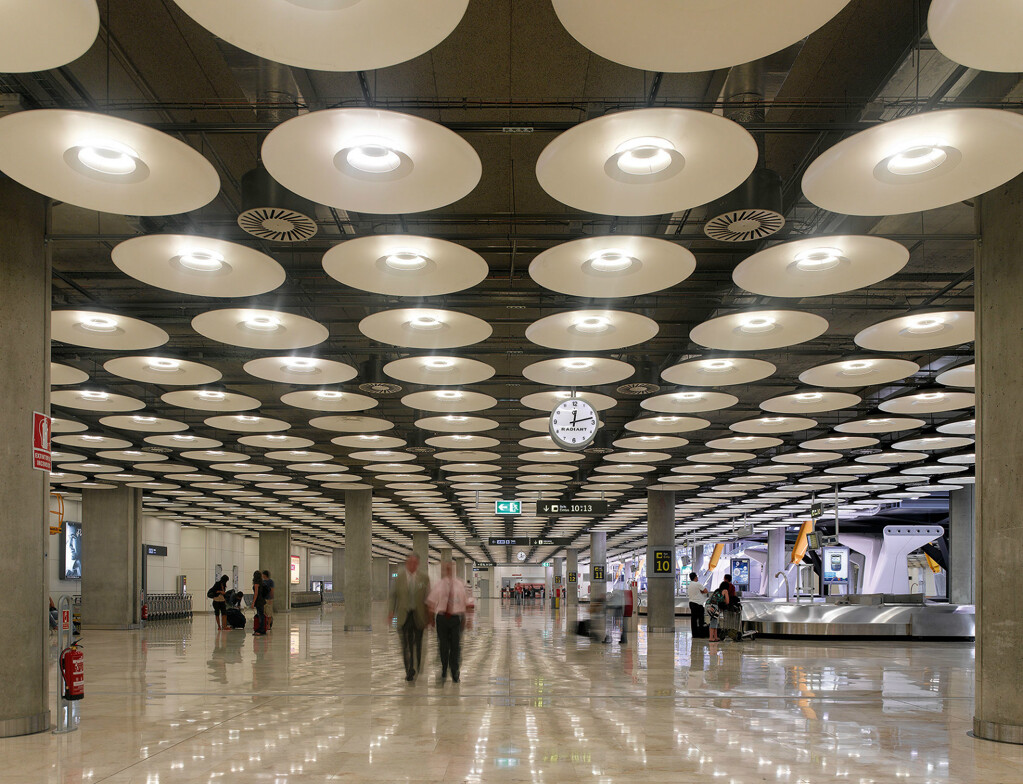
<point x="408" y="605"/>
<point x="447" y="602"/>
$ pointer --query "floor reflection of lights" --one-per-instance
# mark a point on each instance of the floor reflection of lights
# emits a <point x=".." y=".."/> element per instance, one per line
<point x="179" y="702"/>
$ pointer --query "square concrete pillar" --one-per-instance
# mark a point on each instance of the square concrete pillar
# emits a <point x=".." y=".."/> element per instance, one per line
<point x="112" y="543"/>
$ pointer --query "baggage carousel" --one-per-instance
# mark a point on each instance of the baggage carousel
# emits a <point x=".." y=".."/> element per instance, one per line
<point x="854" y="617"/>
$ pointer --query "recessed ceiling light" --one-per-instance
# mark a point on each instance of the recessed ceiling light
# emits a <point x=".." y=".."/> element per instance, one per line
<point x="755" y="324"/>
<point x="925" y="324"/>
<point x="438" y="363"/>
<point x="688" y="395"/>
<point x="644" y="155"/>
<point x="592" y="324"/>
<point x="262" y="323"/>
<point x="92" y="438"/>
<point x="183" y="438"/>
<point x="718" y="364"/>
<point x="807" y="397"/>
<point x="329" y="394"/>
<point x="918" y="159"/>
<point x="93" y="395"/>
<point x="578" y="364"/>
<point x="209" y="394"/>
<point x="611" y="261"/>
<point x="818" y="259"/>
<point x="201" y="261"/>
<point x="99" y="324"/>
<point x="857" y="364"/>
<point x="108" y="157"/>
<point x="405" y="260"/>
<point x="930" y="396"/>
<point x="246" y="418"/>
<point x="425" y="322"/>
<point x="163" y="365"/>
<point x="373" y="157"/>
<point x="143" y="419"/>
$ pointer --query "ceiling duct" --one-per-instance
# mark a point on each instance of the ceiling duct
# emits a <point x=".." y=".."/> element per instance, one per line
<point x="269" y="210"/>
<point x="754" y="209"/>
<point x="646" y="380"/>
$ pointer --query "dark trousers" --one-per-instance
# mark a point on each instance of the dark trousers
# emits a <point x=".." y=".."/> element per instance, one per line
<point x="449" y="641"/>
<point x="411" y="643"/>
<point x="696" y="619"/>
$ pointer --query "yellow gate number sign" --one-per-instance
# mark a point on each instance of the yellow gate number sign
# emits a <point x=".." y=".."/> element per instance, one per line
<point x="571" y="577"/>
<point x="598" y="573"/>
<point x="663" y="562"/>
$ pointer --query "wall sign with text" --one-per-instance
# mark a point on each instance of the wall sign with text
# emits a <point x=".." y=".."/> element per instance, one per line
<point x="664" y="562"/>
<point x="598" y="573"/>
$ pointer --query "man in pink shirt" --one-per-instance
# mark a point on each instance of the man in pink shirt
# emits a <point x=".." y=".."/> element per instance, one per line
<point x="446" y="603"/>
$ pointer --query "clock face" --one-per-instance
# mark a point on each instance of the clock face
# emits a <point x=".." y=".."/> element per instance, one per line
<point x="521" y="555"/>
<point x="573" y="424"/>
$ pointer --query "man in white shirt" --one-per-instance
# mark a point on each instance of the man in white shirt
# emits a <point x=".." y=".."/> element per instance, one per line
<point x="446" y="603"/>
<point x="696" y="593"/>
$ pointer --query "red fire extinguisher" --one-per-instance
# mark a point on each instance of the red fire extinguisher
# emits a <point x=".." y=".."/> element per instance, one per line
<point x="145" y="611"/>
<point x="72" y="672"/>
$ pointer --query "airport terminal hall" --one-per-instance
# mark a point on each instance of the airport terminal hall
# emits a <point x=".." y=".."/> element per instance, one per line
<point x="487" y="391"/>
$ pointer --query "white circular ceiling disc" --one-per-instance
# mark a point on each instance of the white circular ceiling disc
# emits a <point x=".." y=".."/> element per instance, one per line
<point x="209" y="400"/>
<point x="425" y="328"/>
<point x="448" y="401"/>
<point x="818" y="266"/>
<point x="100" y="162"/>
<point x="689" y="402"/>
<point x="162" y="370"/>
<point x="456" y="423"/>
<point x="108" y="331"/>
<point x="810" y="402"/>
<point x="578" y="371"/>
<point x="65" y="374"/>
<point x="402" y="265"/>
<point x="981" y="34"/>
<point x="691" y="36"/>
<point x="144" y="424"/>
<point x="329" y="400"/>
<point x="928" y="401"/>
<point x="202" y="266"/>
<point x="300" y="370"/>
<point x="919" y="332"/>
<point x="94" y="400"/>
<point x="859" y="372"/>
<point x="546" y="401"/>
<point x="241" y="423"/>
<point x="880" y="424"/>
<point x="330" y="35"/>
<point x="718" y="372"/>
<point x="766" y="425"/>
<point x="591" y="330"/>
<point x="312" y="156"/>
<point x="439" y="370"/>
<point x="613" y="266"/>
<point x="38" y="35"/>
<point x="962" y="376"/>
<point x="917" y="163"/>
<point x="272" y="330"/>
<point x="646" y="161"/>
<point x="666" y="424"/>
<point x="757" y="330"/>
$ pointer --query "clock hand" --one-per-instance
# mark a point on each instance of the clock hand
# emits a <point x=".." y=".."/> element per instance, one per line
<point x="582" y="420"/>
<point x="575" y="416"/>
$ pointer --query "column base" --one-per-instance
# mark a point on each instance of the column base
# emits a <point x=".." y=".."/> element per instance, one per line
<point x="1000" y="733"/>
<point x="358" y="628"/>
<point x="25" y="725"/>
<point x="660" y="629"/>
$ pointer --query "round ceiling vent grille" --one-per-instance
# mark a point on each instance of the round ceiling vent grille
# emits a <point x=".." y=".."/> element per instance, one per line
<point x="380" y="388"/>
<point x="638" y="388"/>
<point x="743" y="225"/>
<point x="277" y="224"/>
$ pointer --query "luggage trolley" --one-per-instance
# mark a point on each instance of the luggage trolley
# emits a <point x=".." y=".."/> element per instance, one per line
<point x="731" y="625"/>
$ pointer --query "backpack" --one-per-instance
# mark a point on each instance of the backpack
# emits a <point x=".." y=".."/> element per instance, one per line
<point x="715" y="603"/>
<point x="212" y="592"/>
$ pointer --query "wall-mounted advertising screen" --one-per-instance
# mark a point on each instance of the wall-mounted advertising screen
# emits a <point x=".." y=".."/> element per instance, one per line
<point x="740" y="572"/>
<point x="835" y="565"/>
<point x="71" y="551"/>
<point x="296" y="564"/>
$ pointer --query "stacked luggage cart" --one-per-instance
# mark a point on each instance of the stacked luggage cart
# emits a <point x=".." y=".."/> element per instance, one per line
<point x="169" y="606"/>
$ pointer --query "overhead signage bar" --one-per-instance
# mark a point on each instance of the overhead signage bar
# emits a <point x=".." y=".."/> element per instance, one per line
<point x="571" y="508"/>
<point x="528" y="541"/>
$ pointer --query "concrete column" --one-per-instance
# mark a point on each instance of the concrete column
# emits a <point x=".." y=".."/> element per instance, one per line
<point x="776" y="561"/>
<point x="24" y="505"/>
<point x="358" y="552"/>
<point x="598" y="558"/>
<point x="275" y="557"/>
<point x="112" y="543"/>
<point x="421" y="547"/>
<point x="337" y="569"/>
<point x="660" y="540"/>
<point x="961" y="545"/>
<point x="998" y="703"/>
<point x="460" y="568"/>
<point x="381" y="579"/>
<point x="572" y="577"/>
<point x="445" y="554"/>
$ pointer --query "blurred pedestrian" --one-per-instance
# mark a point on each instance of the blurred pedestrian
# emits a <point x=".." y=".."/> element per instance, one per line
<point x="408" y="605"/>
<point x="268" y="610"/>
<point x="259" y="602"/>
<point x="447" y="603"/>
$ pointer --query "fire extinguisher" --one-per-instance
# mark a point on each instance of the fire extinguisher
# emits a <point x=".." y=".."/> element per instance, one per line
<point x="145" y="611"/>
<point x="72" y="672"/>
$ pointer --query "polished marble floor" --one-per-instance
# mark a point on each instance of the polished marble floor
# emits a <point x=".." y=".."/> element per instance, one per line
<point x="181" y="702"/>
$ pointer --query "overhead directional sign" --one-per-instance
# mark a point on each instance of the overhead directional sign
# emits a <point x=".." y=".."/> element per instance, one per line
<point x="528" y="541"/>
<point x="571" y="508"/>
<point x="507" y="507"/>
<point x="482" y="567"/>
<point x="816" y="510"/>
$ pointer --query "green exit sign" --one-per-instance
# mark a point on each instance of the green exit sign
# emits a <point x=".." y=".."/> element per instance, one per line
<point x="508" y="507"/>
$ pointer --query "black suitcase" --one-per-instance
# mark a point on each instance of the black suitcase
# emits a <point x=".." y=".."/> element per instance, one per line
<point x="583" y="628"/>
<point x="701" y="632"/>
<point x="235" y="618"/>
